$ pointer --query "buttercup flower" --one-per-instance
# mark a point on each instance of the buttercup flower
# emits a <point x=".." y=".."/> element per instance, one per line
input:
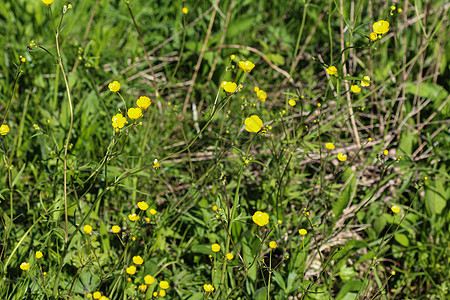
<point x="162" y="293"/>
<point x="366" y="81"/>
<point x="114" y="86"/>
<point x="208" y="288"/>
<point x="153" y="211"/>
<point x="4" y="129"/>
<point x="164" y="285"/>
<point x="329" y="146"/>
<point x="229" y="256"/>
<point x="24" y="266"/>
<point x="87" y="228"/>
<point x="373" y="36"/>
<point x="273" y="244"/>
<point x="261" y="95"/>
<point x="138" y="260"/>
<point x="381" y="27"/>
<point x="133" y="217"/>
<point x="260" y="218"/>
<point x="142" y="205"/>
<point x="395" y="209"/>
<point x="104" y="298"/>
<point x="246" y="66"/>
<point x="143" y="102"/>
<point x="253" y="124"/>
<point x="131" y="270"/>
<point x="214" y="208"/>
<point x="118" y="121"/>
<point x="229" y="86"/>
<point x="39" y="254"/>
<point x="115" y="229"/>
<point x="331" y="70"/>
<point x="386" y="152"/>
<point x="156" y="164"/>
<point x="143" y="287"/>
<point x="232" y="56"/>
<point x="134" y="113"/>
<point x="355" y="89"/>
<point x="149" y="279"/>
<point x="97" y="295"/>
<point x="215" y="247"/>
<point x="292" y="102"/>
<point x="302" y="231"/>
<point x="47" y="2"/>
<point x="185" y="10"/>
<point x="341" y="156"/>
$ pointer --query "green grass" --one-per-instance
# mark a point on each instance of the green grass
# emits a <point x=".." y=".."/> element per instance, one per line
<point x="86" y="173"/>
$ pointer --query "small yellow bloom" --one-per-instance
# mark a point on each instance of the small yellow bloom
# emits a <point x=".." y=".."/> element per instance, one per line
<point x="131" y="270"/>
<point x="260" y="218"/>
<point x="425" y="178"/>
<point x="302" y="231"/>
<point x="164" y="285"/>
<point x="143" y="102"/>
<point x="97" y="295"/>
<point x="4" y="129"/>
<point x="215" y="247"/>
<point x="133" y="217"/>
<point x="246" y="66"/>
<point x="261" y="95"/>
<point x="104" y="298"/>
<point x="134" y="113"/>
<point x="47" y="2"/>
<point x="229" y="86"/>
<point x="392" y="273"/>
<point x="329" y="146"/>
<point x="373" y="36"/>
<point x="366" y="81"/>
<point x="155" y="294"/>
<point x="214" y="208"/>
<point x="115" y="229"/>
<point x="381" y="27"/>
<point x="89" y="295"/>
<point x="118" y="121"/>
<point x="114" y="86"/>
<point x="292" y="102"/>
<point x="149" y="279"/>
<point x="39" y="254"/>
<point x="256" y="89"/>
<point x="319" y="104"/>
<point x="229" y="256"/>
<point x="253" y="124"/>
<point x="393" y="7"/>
<point x="355" y="89"/>
<point x="143" y="287"/>
<point x="23" y="59"/>
<point x="395" y="209"/>
<point x="185" y="10"/>
<point x="162" y="293"/>
<point x="156" y="164"/>
<point x="273" y="244"/>
<point x="386" y="152"/>
<point x="137" y="260"/>
<point x="24" y="266"/>
<point x="45" y="273"/>
<point x="153" y="211"/>
<point x="232" y="56"/>
<point x="331" y="70"/>
<point x="399" y="10"/>
<point x="87" y="228"/>
<point x="341" y="156"/>
<point x="147" y="219"/>
<point x="208" y="288"/>
<point x="142" y="205"/>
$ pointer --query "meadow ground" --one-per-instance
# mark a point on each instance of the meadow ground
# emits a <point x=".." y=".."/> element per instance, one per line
<point x="224" y="149"/>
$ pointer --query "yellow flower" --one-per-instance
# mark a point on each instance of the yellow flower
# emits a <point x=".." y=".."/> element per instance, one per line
<point x="393" y="7"/>
<point x="355" y="89"/>
<point x="253" y="124"/>
<point x="246" y="66"/>
<point x="104" y="298"/>
<point x="392" y="273"/>
<point x="24" y="266"/>
<point x="256" y="89"/>
<point x="260" y="218"/>
<point x="381" y="27"/>
<point x="114" y="86"/>
<point x="229" y="86"/>
<point x="331" y="70"/>
<point x="143" y="287"/>
<point x="147" y="219"/>
<point x="185" y="10"/>
<point x="386" y="152"/>
<point x="229" y="256"/>
<point x="208" y="288"/>
<point x="153" y="211"/>
<point x="118" y="121"/>
<point x="215" y="247"/>
<point x="134" y="113"/>
<point x="143" y="102"/>
<point x="399" y="10"/>
<point x="149" y="279"/>
<point x="341" y="156"/>
<point x="366" y="81"/>
<point x="261" y="95"/>
<point x="133" y="217"/>
<point x="87" y="228"/>
<point x="292" y="102"/>
<point x="164" y="285"/>
<point x="214" y="208"/>
<point x="302" y="231"/>
<point x="156" y="164"/>
<point x="395" y="209"/>
<point x="273" y="244"/>
<point x="137" y="260"/>
<point x="373" y="36"/>
<point x="329" y="146"/>
<point x="4" y="129"/>
<point x="115" y="229"/>
<point x="97" y="295"/>
<point x="155" y="294"/>
<point x="162" y="293"/>
<point x="47" y="2"/>
<point x="131" y="270"/>
<point x="23" y="59"/>
<point x="39" y="254"/>
<point x="142" y="205"/>
<point x="232" y="56"/>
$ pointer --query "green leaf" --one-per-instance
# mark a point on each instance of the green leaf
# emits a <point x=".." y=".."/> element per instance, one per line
<point x="435" y="197"/>
<point x="346" y="273"/>
<point x="402" y="239"/>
